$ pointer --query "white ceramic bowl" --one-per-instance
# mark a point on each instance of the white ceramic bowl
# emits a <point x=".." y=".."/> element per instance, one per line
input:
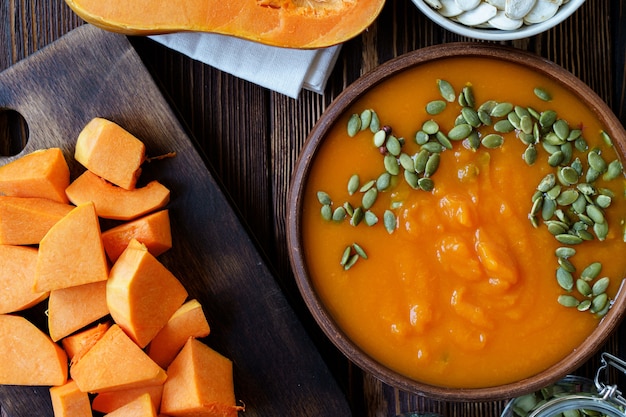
<point x="565" y="11"/>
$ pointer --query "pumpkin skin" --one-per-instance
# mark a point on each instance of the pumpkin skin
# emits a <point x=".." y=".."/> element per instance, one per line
<point x="303" y="24"/>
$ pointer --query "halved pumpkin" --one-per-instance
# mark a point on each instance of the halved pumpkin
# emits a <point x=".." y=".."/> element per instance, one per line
<point x="286" y="23"/>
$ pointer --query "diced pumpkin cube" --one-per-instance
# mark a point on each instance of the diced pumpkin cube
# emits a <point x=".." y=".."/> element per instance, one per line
<point x="77" y="344"/>
<point x="107" y="402"/>
<point x="17" y="272"/>
<point x="26" y="220"/>
<point x="139" y="407"/>
<point x="69" y="401"/>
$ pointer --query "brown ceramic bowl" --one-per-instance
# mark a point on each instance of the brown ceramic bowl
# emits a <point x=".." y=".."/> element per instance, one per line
<point x="570" y="363"/>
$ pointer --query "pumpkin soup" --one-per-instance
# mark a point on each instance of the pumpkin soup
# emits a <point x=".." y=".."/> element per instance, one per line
<point x="473" y="242"/>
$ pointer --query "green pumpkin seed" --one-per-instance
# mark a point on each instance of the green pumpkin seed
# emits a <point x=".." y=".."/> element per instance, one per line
<point x="586" y="188"/>
<point x="584" y="305"/>
<point x="473" y="140"/>
<point x="606" y="138"/>
<point x="554" y="192"/>
<point x="574" y="134"/>
<point x="370" y="218"/>
<point x="461" y="100"/>
<point x="556" y="228"/>
<point x="591" y="271"/>
<point x="568" y="152"/>
<point x="547" y="183"/>
<point x="323" y="197"/>
<point x="492" y="141"/>
<point x="421" y="137"/>
<point x="503" y="126"/>
<point x="595" y="213"/>
<point x="567" y="300"/>
<point x="391" y="164"/>
<point x="420" y="161"/>
<point x="542" y="94"/>
<point x="435" y="107"/>
<point x="561" y="128"/>
<point x="583" y="287"/>
<point x="567" y="197"/>
<point x="596" y="162"/>
<point x="432" y="164"/>
<point x="412" y="179"/>
<point x="565" y="279"/>
<point x="369" y="198"/>
<point x="526" y="124"/>
<point x="565" y="252"/>
<point x="357" y="216"/>
<point x="460" y="132"/>
<point x="443" y="140"/>
<point x="349" y="208"/>
<point x="389" y="219"/>
<point x="555" y="159"/>
<point x="488" y="106"/>
<point x="359" y="250"/>
<point x="484" y="117"/>
<point x="530" y="155"/>
<point x="433" y="147"/>
<point x="366" y="118"/>
<point x="501" y="109"/>
<point x="592" y="175"/>
<point x="353" y="184"/>
<point x="614" y="170"/>
<point x="568" y="239"/>
<point x="581" y="144"/>
<point x="379" y="138"/>
<point x="354" y="125"/>
<point x="548" y="209"/>
<point x="327" y="212"/>
<point x="521" y="112"/>
<point x="527" y="139"/>
<point x="367" y="186"/>
<point x="468" y="93"/>
<point x="547" y="118"/>
<point x="578" y="166"/>
<point x="393" y="145"/>
<point x="568" y="175"/>
<point x="345" y="257"/>
<point x="600" y="286"/>
<point x="351" y="261"/>
<point x="534" y="113"/>
<point x="601" y="230"/>
<point x="584" y="234"/>
<point x="514" y="119"/>
<point x="536" y="207"/>
<point x="551" y="138"/>
<point x="599" y="302"/>
<point x="339" y="214"/>
<point x="374" y="123"/>
<point x="383" y="181"/>
<point x="407" y="162"/>
<point x="603" y="201"/>
<point x="446" y="90"/>
<point x="426" y="184"/>
<point x="566" y="264"/>
<point x="471" y="116"/>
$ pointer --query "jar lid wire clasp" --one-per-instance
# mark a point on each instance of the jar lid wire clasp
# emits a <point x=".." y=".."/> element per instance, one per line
<point x="607" y="391"/>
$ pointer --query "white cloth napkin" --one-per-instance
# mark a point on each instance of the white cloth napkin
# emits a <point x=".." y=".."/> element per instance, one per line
<point x="284" y="70"/>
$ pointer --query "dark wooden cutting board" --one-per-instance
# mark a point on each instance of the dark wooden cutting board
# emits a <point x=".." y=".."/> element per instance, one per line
<point x="89" y="73"/>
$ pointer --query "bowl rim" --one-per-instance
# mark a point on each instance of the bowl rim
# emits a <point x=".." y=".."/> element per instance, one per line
<point x="565" y="11"/>
<point x="570" y="363"/>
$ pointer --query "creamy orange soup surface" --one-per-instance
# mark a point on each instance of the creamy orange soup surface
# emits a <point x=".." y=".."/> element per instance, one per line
<point x="463" y="293"/>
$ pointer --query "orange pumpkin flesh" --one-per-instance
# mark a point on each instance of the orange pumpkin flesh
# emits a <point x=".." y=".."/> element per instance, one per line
<point x="285" y="23"/>
<point x="69" y="401"/>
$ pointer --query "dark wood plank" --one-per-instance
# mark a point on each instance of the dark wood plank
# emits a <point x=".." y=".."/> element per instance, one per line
<point x="90" y="73"/>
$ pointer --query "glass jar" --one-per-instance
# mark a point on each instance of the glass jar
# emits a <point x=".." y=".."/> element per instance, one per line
<point x="575" y="396"/>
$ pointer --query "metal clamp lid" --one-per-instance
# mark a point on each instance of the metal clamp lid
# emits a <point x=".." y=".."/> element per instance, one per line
<point x="607" y="391"/>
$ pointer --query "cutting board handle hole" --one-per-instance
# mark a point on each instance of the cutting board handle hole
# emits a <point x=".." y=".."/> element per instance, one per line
<point x="13" y="132"/>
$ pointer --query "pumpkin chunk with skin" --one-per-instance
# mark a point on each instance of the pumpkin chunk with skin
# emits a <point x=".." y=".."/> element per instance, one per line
<point x="72" y="308"/>
<point x="141" y="406"/>
<point x="199" y="383"/>
<point x="71" y="253"/>
<point x="317" y="23"/>
<point x="17" y="272"/>
<point x="69" y="401"/>
<point x="188" y="321"/>
<point x="111" y="152"/>
<point x="142" y="294"/>
<point x="43" y="173"/>
<point x="29" y="356"/>
<point x="113" y="202"/>
<point x="78" y="344"/>
<point x="107" y="402"/>
<point x="115" y="362"/>
<point x="153" y="230"/>
<point x="26" y="220"/>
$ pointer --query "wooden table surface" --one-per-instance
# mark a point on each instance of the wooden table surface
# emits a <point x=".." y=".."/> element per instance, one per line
<point x="250" y="137"/>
